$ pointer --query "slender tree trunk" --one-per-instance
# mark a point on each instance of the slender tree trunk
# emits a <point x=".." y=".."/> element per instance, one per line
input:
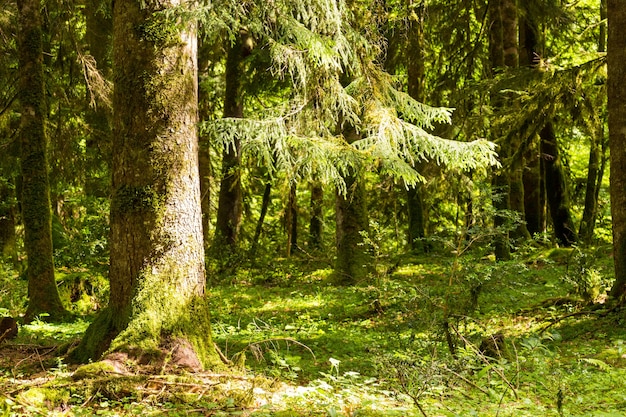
<point x="8" y="248"/>
<point x="616" y="12"/>
<point x="265" y="203"/>
<point x="416" y="73"/>
<point x="595" y="166"/>
<point x="204" y="157"/>
<point x="230" y="203"/>
<point x="503" y="53"/>
<point x="98" y="34"/>
<point x="43" y="296"/>
<point x="292" y="220"/>
<point x="532" y="178"/>
<point x="157" y="304"/>
<point x="316" y="223"/>
<point x="556" y="188"/>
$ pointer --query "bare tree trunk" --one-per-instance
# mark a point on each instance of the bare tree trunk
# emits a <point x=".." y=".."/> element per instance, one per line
<point x="43" y="296"/>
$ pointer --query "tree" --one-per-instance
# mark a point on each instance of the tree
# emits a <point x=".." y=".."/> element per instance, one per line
<point x="157" y="274"/>
<point x="36" y="216"/>
<point x="616" y="73"/>
<point x="230" y="204"/>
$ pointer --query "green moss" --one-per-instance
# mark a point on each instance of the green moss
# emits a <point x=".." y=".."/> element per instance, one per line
<point x="95" y="369"/>
<point x="44" y="397"/>
<point x="139" y="199"/>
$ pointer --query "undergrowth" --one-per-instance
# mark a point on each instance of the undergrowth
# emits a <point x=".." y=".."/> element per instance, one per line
<point x="524" y="338"/>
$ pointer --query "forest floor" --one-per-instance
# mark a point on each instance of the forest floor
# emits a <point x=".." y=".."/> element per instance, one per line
<point x="429" y="336"/>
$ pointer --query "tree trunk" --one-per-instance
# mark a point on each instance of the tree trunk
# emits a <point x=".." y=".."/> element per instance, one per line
<point x="616" y="70"/>
<point x="230" y="203"/>
<point x="98" y="34"/>
<point x="316" y="223"/>
<point x="532" y="177"/>
<point x="416" y="73"/>
<point x="556" y="188"/>
<point x="353" y="260"/>
<point x="8" y="248"/>
<point x="265" y="203"/>
<point x="503" y="53"/>
<point x="42" y="290"/>
<point x="596" y="157"/>
<point x="291" y="222"/>
<point x="157" y="304"/>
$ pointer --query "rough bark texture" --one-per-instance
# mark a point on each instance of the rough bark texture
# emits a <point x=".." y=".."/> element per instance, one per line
<point x="157" y="270"/>
<point x="556" y="188"/>
<point x="616" y="12"/>
<point x="42" y="290"/>
<point x="230" y="204"/>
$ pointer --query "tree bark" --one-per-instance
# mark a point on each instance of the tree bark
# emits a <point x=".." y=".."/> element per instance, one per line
<point x="351" y="217"/>
<point x="533" y="176"/>
<point x="556" y="188"/>
<point x="230" y="201"/>
<point x="157" y="303"/>
<point x="596" y="158"/>
<point x="43" y="296"/>
<point x="416" y="73"/>
<point x="503" y="53"/>
<point x="291" y="222"/>
<point x="316" y="224"/>
<point x="98" y="34"/>
<point x="616" y="71"/>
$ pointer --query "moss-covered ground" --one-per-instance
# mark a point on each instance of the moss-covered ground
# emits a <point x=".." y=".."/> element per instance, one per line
<point x="302" y="347"/>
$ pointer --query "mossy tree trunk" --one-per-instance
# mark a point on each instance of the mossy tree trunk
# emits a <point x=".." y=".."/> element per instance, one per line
<point x="616" y="71"/>
<point x="595" y="167"/>
<point x="98" y="34"/>
<point x="351" y="217"/>
<point x="291" y="220"/>
<point x="533" y="176"/>
<point x="157" y="275"/>
<point x="416" y="73"/>
<point x="230" y="200"/>
<point x="556" y="188"/>
<point x="43" y="296"/>
<point x="503" y="53"/>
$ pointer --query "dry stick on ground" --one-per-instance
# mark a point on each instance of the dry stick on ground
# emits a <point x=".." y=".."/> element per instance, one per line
<point x="599" y="313"/>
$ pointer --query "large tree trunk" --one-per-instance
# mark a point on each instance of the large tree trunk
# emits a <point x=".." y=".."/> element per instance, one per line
<point x="230" y="204"/>
<point x="616" y="68"/>
<point x="42" y="290"/>
<point x="556" y="188"/>
<point x="157" y="273"/>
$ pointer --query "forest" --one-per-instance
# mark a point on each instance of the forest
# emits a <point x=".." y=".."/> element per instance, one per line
<point x="313" y="208"/>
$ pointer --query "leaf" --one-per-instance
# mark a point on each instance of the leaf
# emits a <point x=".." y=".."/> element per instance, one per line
<point x="603" y="366"/>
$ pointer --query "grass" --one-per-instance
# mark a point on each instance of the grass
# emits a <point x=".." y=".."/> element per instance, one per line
<point x="375" y="349"/>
